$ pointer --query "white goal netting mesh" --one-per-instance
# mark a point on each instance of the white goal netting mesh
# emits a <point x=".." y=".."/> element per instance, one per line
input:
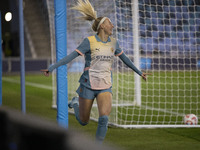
<point x="167" y="35"/>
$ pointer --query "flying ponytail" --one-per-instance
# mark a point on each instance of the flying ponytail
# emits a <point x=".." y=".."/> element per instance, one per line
<point x="88" y="12"/>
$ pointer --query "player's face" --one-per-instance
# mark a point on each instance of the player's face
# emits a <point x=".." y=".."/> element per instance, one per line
<point x="108" y="27"/>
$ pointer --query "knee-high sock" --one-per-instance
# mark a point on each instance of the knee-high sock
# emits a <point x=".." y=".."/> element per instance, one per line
<point x="76" y="111"/>
<point x="102" y="128"/>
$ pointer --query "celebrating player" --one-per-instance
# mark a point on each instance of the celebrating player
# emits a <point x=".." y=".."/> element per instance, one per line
<point x="96" y="81"/>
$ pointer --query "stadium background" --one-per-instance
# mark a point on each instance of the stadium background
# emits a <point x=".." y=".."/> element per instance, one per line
<point x="34" y="62"/>
<point x="181" y="38"/>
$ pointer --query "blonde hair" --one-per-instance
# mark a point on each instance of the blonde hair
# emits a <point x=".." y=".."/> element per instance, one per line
<point x="88" y="12"/>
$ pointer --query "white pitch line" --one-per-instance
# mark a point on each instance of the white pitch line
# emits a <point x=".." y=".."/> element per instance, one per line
<point x="162" y="110"/>
<point x="27" y="83"/>
<point x="95" y="105"/>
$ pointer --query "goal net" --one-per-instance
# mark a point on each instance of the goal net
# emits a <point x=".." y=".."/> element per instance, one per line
<point x="160" y="37"/>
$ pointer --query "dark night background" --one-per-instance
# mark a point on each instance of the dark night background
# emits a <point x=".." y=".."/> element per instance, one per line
<point x="10" y="30"/>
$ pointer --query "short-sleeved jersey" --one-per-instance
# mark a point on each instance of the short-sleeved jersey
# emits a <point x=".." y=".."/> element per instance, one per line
<point x="99" y="57"/>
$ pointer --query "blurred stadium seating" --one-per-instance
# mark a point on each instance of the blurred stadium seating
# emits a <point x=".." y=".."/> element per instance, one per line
<point x="167" y="28"/>
<point x="172" y="23"/>
<point x="165" y="25"/>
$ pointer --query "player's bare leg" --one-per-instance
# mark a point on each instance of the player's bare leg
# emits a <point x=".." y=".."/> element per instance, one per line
<point x="82" y="108"/>
<point x="85" y="106"/>
<point x="104" y="102"/>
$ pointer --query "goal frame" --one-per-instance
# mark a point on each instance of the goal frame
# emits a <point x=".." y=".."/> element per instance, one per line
<point x="137" y="79"/>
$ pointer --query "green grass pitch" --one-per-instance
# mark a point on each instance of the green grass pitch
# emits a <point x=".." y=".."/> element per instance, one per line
<point x="39" y="101"/>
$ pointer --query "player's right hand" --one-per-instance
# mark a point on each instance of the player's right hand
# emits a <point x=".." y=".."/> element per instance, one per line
<point x="46" y="72"/>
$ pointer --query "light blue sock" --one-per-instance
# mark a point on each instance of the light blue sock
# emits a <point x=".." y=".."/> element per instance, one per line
<point x="102" y="128"/>
<point x="76" y="111"/>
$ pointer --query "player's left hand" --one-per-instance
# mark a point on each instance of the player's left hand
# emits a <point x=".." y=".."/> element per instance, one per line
<point x="144" y="76"/>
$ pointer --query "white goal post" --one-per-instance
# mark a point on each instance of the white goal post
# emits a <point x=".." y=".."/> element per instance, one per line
<point x="135" y="30"/>
<point x="161" y="38"/>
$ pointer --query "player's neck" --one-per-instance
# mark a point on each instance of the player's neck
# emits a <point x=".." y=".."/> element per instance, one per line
<point x="103" y="36"/>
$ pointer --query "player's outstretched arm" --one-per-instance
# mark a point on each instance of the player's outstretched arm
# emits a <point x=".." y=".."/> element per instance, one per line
<point x="130" y="64"/>
<point x="63" y="61"/>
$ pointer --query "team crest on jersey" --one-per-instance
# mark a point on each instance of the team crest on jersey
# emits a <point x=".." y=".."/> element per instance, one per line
<point x="97" y="49"/>
<point x="112" y="50"/>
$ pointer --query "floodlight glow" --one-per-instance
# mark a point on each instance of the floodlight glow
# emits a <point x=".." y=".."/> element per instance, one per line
<point x="8" y="16"/>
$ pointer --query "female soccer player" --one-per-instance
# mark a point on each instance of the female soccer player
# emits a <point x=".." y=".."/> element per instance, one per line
<point x="96" y="81"/>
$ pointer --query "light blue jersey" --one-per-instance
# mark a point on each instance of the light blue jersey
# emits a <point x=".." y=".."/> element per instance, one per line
<point x="99" y="57"/>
